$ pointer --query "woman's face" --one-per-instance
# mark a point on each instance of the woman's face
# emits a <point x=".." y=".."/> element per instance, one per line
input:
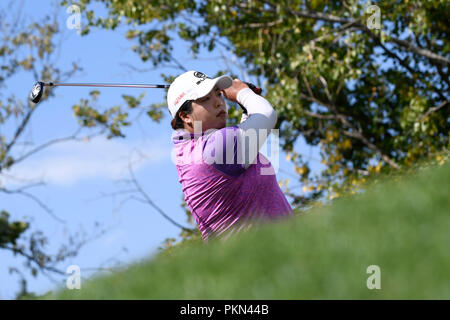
<point x="211" y="110"/>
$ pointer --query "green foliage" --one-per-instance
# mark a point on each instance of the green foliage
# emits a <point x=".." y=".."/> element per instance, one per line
<point x="113" y="119"/>
<point x="27" y="49"/>
<point x="20" y="48"/>
<point x="401" y="226"/>
<point x="156" y="111"/>
<point x="372" y="100"/>
<point x="10" y="231"/>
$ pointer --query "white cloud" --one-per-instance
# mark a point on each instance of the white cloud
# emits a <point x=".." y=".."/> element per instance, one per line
<point x="70" y="162"/>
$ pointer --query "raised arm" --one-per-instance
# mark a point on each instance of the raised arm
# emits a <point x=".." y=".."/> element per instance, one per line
<point x="256" y="125"/>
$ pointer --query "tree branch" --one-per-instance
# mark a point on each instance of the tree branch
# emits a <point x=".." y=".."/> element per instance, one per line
<point x="333" y="19"/>
<point x="434" y="109"/>
<point x="320" y="116"/>
<point x="54" y="141"/>
<point x="150" y="202"/>
<point x="357" y="134"/>
<point x="32" y="259"/>
<point x="18" y="132"/>
<point x="34" y="198"/>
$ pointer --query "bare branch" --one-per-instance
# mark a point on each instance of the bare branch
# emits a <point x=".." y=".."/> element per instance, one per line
<point x="434" y="109"/>
<point x="19" y="131"/>
<point x="423" y="52"/>
<point x="320" y="116"/>
<point x="373" y="147"/>
<point x="357" y="134"/>
<point x="308" y="87"/>
<point x="325" y="86"/>
<point x="72" y="137"/>
<point x="150" y="202"/>
<point x="34" y="198"/>
<point x="261" y="25"/>
<point x="32" y="259"/>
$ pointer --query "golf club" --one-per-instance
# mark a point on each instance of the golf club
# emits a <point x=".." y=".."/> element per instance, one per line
<point x="38" y="88"/>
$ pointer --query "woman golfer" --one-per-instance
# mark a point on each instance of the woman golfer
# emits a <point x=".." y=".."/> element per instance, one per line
<point x="228" y="185"/>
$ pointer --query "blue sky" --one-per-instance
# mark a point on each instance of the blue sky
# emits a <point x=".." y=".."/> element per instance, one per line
<point x="79" y="175"/>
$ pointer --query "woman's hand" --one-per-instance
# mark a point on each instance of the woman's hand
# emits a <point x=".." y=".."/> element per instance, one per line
<point x="232" y="92"/>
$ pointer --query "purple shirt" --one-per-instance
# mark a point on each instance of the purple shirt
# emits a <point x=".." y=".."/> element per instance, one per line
<point x="223" y="195"/>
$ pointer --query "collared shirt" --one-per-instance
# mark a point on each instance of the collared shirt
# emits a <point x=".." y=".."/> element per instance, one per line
<point x="222" y="195"/>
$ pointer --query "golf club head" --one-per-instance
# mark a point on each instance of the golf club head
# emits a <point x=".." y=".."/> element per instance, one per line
<point x="36" y="92"/>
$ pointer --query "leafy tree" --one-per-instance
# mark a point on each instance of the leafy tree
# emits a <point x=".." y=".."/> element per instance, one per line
<point x="373" y="98"/>
<point x="28" y="48"/>
<point x="21" y="47"/>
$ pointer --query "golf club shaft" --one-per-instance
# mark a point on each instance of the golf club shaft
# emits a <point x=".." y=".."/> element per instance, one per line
<point x="51" y="84"/>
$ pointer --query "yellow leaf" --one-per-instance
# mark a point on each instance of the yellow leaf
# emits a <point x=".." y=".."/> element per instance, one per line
<point x="378" y="167"/>
<point x="347" y="144"/>
<point x="334" y="168"/>
<point x="330" y="136"/>
<point x="300" y="170"/>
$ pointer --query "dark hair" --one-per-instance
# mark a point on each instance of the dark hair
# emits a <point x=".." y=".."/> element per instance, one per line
<point x="177" y="122"/>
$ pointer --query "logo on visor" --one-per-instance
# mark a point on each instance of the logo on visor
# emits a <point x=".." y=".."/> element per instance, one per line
<point x="177" y="100"/>
<point x="200" y="75"/>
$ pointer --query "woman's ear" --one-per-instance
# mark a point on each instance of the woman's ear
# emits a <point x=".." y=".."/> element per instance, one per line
<point x="186" y="118"/>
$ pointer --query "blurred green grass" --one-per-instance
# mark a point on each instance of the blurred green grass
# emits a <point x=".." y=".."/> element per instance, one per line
<point x="401" y="226"/>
